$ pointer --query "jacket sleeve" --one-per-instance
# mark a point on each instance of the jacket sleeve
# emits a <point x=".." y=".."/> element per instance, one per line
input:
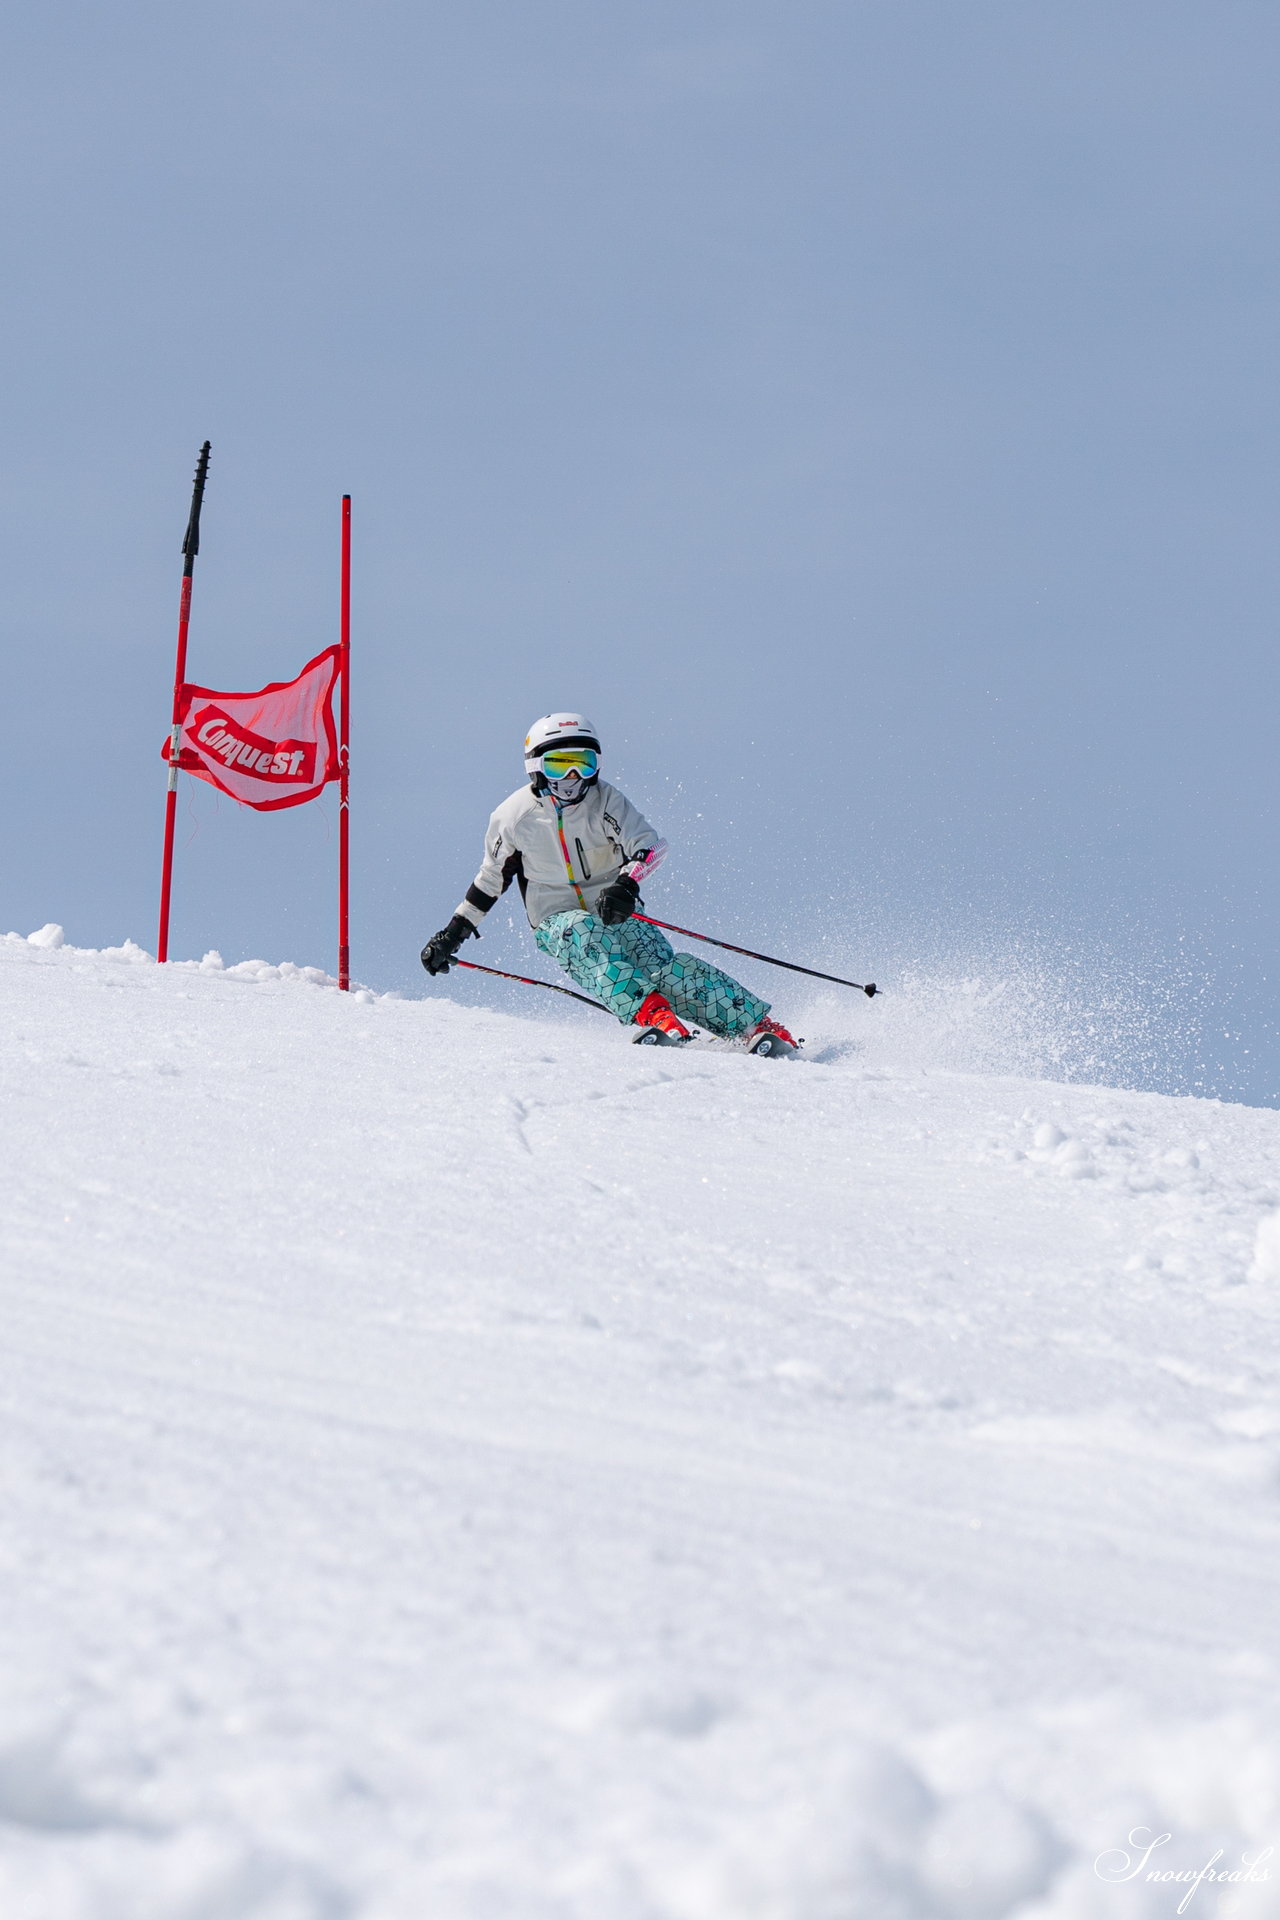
<point x="501" y="865"/>
<point x="643" y="849"/>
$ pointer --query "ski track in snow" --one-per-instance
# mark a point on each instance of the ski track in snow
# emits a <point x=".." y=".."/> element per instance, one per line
<point x="462" y="1467"/>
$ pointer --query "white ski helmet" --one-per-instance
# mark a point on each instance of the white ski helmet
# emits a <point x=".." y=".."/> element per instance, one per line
<point x="556" y="730"/>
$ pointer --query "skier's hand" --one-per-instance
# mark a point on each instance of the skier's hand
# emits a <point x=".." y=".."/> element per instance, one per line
<point x="618" y="901"/>
<point x="442" y="948"/>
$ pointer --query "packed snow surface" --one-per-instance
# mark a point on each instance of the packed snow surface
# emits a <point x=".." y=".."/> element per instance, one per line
<point x="465" y="1467"/>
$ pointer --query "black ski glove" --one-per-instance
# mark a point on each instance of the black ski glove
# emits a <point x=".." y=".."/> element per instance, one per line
<point x="618" y="901"/>
<point x="441" y="949"/>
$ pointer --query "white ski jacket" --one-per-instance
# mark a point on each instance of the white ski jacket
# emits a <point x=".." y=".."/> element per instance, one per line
<point x="560" y="857"/>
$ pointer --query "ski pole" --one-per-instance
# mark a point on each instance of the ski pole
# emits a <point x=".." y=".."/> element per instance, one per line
<point x="473" y="966"/>
<point x="768" y="958"/>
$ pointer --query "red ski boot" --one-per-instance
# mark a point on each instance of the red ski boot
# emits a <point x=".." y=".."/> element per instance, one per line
<point x="772" y="1041"/>
<point x="658" y="1024"/>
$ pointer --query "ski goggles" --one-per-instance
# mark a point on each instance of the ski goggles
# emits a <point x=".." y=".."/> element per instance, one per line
<point x="560" y="762"/>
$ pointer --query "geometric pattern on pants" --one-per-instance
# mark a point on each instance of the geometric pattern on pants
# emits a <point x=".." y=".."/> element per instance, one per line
<point x="621" y="966"/>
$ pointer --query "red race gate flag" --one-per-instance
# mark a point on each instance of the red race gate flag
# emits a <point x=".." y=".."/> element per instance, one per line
<point x="274" y="748"/>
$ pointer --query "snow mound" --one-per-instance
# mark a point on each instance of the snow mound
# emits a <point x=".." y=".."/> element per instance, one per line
<point x="462" y="1467"/>
<point x="1266" y="1249"/>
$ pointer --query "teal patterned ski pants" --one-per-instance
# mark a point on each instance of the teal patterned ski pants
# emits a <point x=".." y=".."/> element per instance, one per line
<point x="623" y="965"/>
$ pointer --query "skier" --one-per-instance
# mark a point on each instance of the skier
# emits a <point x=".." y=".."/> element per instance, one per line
<point x="579" y="850"/>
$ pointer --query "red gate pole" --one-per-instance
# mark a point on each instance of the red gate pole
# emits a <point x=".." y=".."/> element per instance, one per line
<point x="190" y="548"/>
<point x="344" y="757"/>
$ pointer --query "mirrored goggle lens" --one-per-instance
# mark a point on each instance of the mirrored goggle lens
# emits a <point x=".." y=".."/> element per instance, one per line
<point x="565" y="760"/>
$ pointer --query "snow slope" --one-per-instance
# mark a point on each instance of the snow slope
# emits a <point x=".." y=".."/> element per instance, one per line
<point x="462" y="1467"/>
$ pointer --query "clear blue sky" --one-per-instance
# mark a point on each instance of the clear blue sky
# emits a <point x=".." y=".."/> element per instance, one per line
<point x="867" y="413"/>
